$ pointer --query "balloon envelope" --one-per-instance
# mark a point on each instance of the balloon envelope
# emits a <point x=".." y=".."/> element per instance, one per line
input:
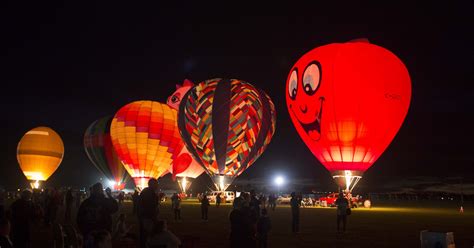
<point x="99" y="149"/>
<point x="146" y="138"/>
<point x="226" y="125"/>
<point x="347" y="101"/>
<point x="39" y="153"/>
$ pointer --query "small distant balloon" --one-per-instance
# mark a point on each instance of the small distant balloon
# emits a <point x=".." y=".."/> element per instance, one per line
<point x="39" y="153"/>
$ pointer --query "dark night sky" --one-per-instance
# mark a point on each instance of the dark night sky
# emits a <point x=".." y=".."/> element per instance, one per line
<point x="65" y="65"/>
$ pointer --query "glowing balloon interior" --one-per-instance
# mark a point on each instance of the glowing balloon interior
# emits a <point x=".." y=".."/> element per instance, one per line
<point x="347" y="101"/>
<point x="146" y="138"/>
<point x="226" y="125"/>
<point x="39" y="153"/>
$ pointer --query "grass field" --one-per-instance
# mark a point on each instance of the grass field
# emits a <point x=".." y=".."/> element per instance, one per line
<point x="393" y="225"/>
<point x="388" y="224"/>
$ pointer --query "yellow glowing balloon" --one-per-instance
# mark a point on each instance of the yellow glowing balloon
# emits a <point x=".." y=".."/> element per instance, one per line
<point x="39" y="153"/>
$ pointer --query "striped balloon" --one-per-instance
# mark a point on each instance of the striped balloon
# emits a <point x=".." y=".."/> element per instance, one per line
<point x="99" y="149"/>
<point x="226" y="125"/>
<point x="146" y="138"/>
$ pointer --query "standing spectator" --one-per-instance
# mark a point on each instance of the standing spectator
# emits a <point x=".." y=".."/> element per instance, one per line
<point x="135" y="199"/>
<point x="272" y="201"/>
<point x="204" y="207"/>
<point x="120" y="198"/>
<point x="242" y="228"/>
<point x="69" y="201"/>
<point x="295" y="213"/>
<point x="148" y="209"/>
<point x="5" y="241"/>
<point x="263" y="200"/>
<point x="342" y="205"/>
<point x="52" y="206"/>
<point x="264" y="226"/>
<point x="238" y="202"/>
<point x="95" y="212"/>
<point x="22" y="215"/>
<point x="176" y="205"/>
<point x="246" y="202"/>
<point x="236" y="228"/>
<point x="254" y="204"/>
<point x="218" y="199"/>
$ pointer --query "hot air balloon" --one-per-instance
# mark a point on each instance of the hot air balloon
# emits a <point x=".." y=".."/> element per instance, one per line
<point x="226" y="124"/>
<point x="184" y="167"/>
<point x="146" y="138"/>
<point x="347" y="101"/>
<point x="101" y="152"/>
<point x="39" y="153"/>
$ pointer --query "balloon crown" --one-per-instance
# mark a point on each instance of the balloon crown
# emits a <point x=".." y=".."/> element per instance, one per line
<point x="186" y="83"/>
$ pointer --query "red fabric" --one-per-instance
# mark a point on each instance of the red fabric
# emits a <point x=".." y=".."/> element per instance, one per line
<point x="181" y="163"/>
<point x="361" y="96"/>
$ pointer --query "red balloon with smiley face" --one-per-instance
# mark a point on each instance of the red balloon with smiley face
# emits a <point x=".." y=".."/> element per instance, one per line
<point x="347" y="102"/>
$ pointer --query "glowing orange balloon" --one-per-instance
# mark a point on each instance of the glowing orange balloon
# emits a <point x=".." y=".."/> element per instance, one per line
<point x="146" y="138"/>
<point x="39" y="153"/>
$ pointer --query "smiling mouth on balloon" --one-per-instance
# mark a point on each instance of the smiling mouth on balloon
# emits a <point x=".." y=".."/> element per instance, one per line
<point x="313" y="129"/>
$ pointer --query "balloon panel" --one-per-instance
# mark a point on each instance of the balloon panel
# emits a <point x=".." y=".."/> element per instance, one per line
<point x="181" y="163"/>
<point x="193" y="170"/>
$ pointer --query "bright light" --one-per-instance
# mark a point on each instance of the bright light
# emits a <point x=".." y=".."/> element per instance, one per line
<point x="279" y="180"/>
<point x="36" y="184"/>
<point x="348" y="175"/>
<point x="112" y="183"/>
<point x="184" y="183"/>
<point x="142" y="183"/>
<point x="221" y="183"/>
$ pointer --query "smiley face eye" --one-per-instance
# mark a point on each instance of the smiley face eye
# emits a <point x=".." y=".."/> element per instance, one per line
<point x="312" y="78"/>
<point x="293" y="84"/>
<point x="174" y="99"/>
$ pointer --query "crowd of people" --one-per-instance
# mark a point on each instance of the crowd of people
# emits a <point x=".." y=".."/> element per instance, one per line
<point x="33" y="218"/>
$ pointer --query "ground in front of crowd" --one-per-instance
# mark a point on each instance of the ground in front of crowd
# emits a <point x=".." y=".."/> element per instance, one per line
<point x="394" y="224"/>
